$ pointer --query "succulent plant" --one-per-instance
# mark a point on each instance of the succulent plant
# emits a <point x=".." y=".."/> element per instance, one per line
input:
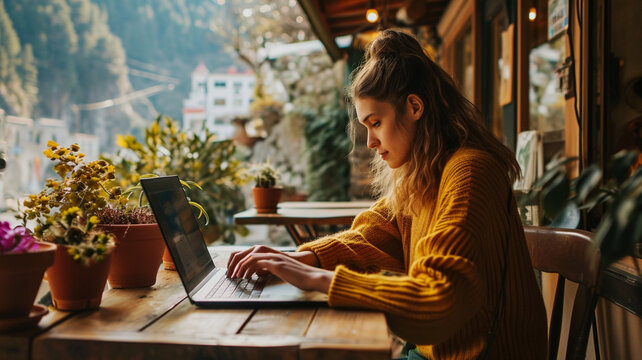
<point x="264" y="175"/>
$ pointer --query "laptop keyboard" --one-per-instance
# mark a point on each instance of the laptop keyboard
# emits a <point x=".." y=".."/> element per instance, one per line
<point x="237" y="288"/>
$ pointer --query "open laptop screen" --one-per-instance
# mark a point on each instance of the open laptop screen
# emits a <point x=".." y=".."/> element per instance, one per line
<point x="179" y="228"/>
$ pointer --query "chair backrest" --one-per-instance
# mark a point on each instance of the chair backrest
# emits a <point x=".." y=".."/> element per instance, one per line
<point x="573" y="255"/>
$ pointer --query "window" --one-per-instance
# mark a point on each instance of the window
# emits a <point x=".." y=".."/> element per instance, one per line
<point x="494" y="113"/>
<point x="464" y="63"/>
<point x="237" y="88"/>
<point x="237" y="102"/>
<point x="547" y="106"/>
<point x="220" y="84"/>
<point x="197" y="123"/>
<point x="219" y="102"/>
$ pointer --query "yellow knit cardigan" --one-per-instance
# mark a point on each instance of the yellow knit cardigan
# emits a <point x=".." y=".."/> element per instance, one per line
<point x="437" y="275"/>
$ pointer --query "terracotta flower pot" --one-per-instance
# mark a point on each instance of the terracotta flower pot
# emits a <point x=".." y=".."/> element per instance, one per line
<point x="137" y="256"/>
<point x="210" y="233"/>
<point x="20" y="278"/>
<point x="266" y="199"/>
<point x="75" y="286"/>
<point x="168" y="262"/>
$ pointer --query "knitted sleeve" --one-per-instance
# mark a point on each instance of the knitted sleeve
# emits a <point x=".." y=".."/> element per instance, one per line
<point x="443" y="288"/>
<point x="373" y="243"/>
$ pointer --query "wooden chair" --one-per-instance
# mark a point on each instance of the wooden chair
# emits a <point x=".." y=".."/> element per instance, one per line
<point x="572" y="255"/>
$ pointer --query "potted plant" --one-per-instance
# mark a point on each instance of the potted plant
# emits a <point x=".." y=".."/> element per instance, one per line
<point x="215" y="164"/>
<point x="139" y="242"/>
<point x="139" y="245"/>
<point x="561" y="199"/>
<point x="23" y="262"/>
<point x="265" y="192"/>
<point x="64" y="212"/>
<point x="83" y="257"/>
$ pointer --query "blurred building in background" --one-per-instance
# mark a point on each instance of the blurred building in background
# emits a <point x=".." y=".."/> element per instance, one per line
<point x="23" y="141"/>
<point x="216" y="99"/>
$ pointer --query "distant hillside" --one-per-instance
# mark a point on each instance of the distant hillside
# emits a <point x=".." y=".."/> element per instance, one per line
<point x="168" y="37"/>
<point x="56" y="53"/>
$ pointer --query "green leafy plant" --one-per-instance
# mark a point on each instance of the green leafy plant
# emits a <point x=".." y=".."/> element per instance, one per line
<point x="167" y="150"/>
<point x="561" y="200"/>
<point x="328" y="146"/>
<point x="264" y="175"/>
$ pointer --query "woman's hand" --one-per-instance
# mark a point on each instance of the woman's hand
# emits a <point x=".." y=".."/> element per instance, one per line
<point x="298" y="268"/>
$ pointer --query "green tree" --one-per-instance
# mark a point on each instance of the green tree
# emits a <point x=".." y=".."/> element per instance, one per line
<point x="28" y="72"/>
<point x="102" y="72"/>
<point x="165" y="40"/>
<point x="47" y="26"/>
<point x="16" y="69"/>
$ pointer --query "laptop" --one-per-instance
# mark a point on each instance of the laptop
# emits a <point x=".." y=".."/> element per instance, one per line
<point x="205" y="284"/>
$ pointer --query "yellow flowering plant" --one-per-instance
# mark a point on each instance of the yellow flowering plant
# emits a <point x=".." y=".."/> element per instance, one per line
<point x="66" y="210"/>
<point x="86" y="185"/>
<point x="85" y="243"/>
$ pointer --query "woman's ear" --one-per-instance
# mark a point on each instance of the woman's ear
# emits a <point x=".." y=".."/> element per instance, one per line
<point x="414" y="106"/>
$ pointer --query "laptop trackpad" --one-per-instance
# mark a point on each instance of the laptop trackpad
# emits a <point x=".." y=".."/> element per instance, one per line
<point x="277" y="289"/>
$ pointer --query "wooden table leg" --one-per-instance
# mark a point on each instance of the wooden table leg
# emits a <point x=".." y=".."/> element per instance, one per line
<point x="294" y="233"/>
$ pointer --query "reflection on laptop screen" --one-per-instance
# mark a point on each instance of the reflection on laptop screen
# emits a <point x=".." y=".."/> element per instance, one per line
<point x="179" y="226"/>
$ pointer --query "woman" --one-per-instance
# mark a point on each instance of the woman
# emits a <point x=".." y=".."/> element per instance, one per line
<point x="442" y="253"/>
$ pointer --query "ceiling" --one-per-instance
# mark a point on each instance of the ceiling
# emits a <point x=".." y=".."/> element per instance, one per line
<point x="332" y="18"/>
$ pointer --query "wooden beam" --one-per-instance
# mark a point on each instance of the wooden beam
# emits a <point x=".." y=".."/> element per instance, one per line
<point x="320" y="27"/>
<point x="347" y="5"/>
<point x="521" y="70"/>
<point x="344" y="23"/>
<point x="344" y="5"/>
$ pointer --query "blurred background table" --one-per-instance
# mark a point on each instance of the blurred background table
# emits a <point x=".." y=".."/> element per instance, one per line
<point x="302" y="218"/>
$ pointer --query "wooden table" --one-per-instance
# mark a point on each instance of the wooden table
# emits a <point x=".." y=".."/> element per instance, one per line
<point x="159" y="322"/>
<point x="622" y="284"/>
<point x="301" y="218"/>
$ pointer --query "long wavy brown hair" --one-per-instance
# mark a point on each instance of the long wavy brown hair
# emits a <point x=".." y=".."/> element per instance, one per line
<point x="395" y="66"/>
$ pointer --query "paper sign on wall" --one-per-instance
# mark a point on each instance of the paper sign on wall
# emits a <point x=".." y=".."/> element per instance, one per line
<point x="557" y="17"/>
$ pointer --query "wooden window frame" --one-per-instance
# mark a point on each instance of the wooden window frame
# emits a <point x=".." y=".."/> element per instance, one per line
<point x="460" y="16"/>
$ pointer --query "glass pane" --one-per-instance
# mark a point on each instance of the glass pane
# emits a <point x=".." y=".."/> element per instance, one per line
<point x="464" y="63"/>
<point x="495" y="46"/>
<point x="546" y="101"/>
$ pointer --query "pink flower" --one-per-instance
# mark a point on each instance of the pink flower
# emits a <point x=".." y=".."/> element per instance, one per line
<point x="15" y="240"/>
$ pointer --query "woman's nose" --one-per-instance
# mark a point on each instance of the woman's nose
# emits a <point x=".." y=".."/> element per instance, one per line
<point x="372" y="140"/>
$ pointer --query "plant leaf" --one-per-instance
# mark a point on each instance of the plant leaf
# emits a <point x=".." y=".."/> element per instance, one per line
<point x="597" y="199"/>
<point x="586" y="182"/>
<point x="554" y="196"/>
<point x="548" y="176"/>
<point x="185" y="184"/>
<point x="621" y="164"/>
<point x="558" y="161"/>
<point x="568" y="217"/>
<point x="202" y="212"/>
